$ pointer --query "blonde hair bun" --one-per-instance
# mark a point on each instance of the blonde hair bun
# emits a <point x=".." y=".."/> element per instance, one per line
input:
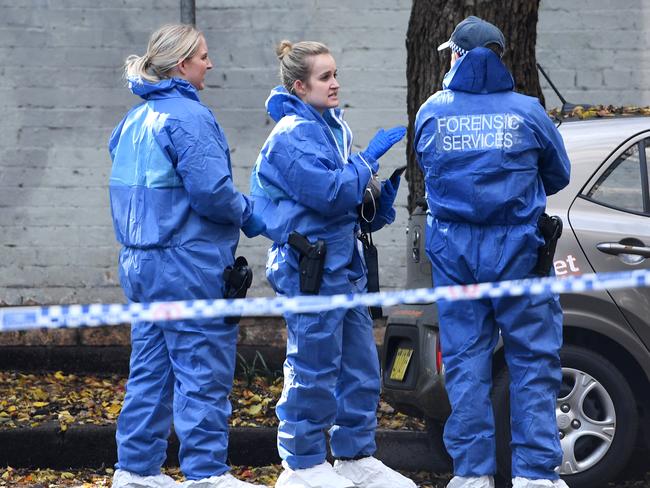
<point x="284" y="48"/>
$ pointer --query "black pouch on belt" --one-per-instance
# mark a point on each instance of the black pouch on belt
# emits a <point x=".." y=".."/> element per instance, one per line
<point x="237" y="279"/>
<point x="371" y="258"/>
<point x="551" y="229"/>
<point x="311" y="263"/>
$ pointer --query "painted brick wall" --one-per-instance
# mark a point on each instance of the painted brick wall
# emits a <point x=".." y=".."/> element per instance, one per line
<point x="61" y="94"/>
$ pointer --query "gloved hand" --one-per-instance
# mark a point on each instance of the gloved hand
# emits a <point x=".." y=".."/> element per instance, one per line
<point x="384" y="140"/>
<point x="254" y="226"/>
<point x="389" y="189"/>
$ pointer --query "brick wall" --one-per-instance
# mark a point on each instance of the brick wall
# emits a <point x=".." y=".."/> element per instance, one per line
<point x="61" y="94"/>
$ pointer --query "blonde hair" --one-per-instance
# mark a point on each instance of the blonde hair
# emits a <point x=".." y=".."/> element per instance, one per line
<point x="295" y="62"/>
<point x="167" y="46"/>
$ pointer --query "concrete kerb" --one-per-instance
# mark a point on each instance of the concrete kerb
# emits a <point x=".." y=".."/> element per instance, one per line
<point x="93" y="446"/>
<point x="107" y="359"/>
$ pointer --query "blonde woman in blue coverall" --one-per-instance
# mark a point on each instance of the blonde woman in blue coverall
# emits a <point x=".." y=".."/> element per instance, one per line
<point x="490" y="157"/>
<point x="177" y="215"/>
<point x="306" y="180"/>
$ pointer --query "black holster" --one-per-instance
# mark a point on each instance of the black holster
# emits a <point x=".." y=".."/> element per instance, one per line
<point x="237" y="280"/>
<point x="371" y="258"/>
<point x="311" y="262"/>
<point x="551" y="229"/>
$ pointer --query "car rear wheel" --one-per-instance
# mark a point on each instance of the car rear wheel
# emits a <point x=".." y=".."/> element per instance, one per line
<point x="596" y="414"/>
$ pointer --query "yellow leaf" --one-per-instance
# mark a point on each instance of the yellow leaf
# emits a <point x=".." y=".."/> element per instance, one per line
<point x="253" y="410"/>
<point x="12" y="408"/>
<point x="59" y="375"/>
<point x="40" y="404"/>
<point x="114" y="408"/>
<point x="39" y="394"/>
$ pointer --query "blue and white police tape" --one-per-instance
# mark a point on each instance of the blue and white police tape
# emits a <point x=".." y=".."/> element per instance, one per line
<point x="61" y="316"/>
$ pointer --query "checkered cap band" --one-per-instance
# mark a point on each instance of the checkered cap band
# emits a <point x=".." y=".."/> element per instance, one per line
<point x="457" y="49"/>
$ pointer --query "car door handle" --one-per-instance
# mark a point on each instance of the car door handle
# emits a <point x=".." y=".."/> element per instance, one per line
<point x="616" y="248"/>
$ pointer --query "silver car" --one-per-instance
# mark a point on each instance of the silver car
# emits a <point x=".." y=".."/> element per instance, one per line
<point x="602" y="410"/>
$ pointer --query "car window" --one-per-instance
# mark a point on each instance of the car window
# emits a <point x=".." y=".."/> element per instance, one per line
<point x="620" y="185"/>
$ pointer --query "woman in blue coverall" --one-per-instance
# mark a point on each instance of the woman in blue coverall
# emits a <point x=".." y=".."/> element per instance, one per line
<point x="306" y="180"/>
<point x="177" y="214"/>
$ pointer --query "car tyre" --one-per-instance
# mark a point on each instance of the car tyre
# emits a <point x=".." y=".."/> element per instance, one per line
<point x="609" y="394"/>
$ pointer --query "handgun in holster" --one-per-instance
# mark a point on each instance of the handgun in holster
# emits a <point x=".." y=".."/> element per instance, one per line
<point x="551" y="229"/>
<point x="371" y="258"/>
<point x="237" y="280"/>
<point x="311" y="262"/>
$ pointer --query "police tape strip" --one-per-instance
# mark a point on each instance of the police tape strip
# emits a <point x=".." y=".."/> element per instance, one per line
<point x="63" y="316"/>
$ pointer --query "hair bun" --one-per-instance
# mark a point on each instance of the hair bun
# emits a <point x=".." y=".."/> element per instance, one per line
<point x="283" y="49"/>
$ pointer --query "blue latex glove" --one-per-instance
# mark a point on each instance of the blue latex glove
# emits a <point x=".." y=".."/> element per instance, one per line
<point x="389" y="189"/>
<point x="254" y="226"/>
<point x="384" y="140"/>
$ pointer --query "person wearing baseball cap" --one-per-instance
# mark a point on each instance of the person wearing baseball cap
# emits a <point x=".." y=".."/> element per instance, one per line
<point x="490" y="157"/>
<point x="474" y="32"/>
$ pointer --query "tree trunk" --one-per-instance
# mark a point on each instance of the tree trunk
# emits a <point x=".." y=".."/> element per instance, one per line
<point x="431" y="23"/>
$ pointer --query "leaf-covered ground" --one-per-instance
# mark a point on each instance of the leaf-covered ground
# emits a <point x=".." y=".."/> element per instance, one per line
<point x="264" y="475"/>
<point x="598" y="111"/>
<point x="29" y="400"/>
<point x="32" y="399"/>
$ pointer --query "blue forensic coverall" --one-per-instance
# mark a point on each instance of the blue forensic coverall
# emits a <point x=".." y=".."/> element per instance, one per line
<point x="306" y="180"/>
<point x="177" y="215"/>
<point x="489" y="157"/>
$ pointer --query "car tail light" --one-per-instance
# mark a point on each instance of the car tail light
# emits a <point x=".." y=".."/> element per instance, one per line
<point x="438" y="356"/>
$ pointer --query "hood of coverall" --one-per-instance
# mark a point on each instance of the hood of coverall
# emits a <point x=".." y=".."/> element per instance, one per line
<point x="479" y="71"/>
<point x="167" y="88"/>
<point x="280" y="103"/>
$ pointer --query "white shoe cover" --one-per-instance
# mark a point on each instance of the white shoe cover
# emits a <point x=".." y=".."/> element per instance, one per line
<point x="370" y="472"/>
<point x="519" y="482"/>
<point x="126" y="479"/>
<point x="471" y="482"/>
<point x="224" y="481"/>
<point x="320" y="476"/>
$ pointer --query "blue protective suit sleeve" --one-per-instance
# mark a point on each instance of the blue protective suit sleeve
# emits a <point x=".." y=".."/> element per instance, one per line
<point x="254" y="226"/>
<point x="204" y="166"/>
<point x="117" y="132"/>
<point x="297" y="165"/>
<point x="554" y="164"/>
<point x="421" y="120"/>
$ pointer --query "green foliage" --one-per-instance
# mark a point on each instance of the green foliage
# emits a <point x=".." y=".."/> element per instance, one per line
<point x="256" y="367"/>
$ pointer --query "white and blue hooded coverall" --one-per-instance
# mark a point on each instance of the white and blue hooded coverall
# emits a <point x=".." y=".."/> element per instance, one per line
<point x="306" y="180"/>
<point x="177" y="215"/>
<point x="490" y="157"/>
